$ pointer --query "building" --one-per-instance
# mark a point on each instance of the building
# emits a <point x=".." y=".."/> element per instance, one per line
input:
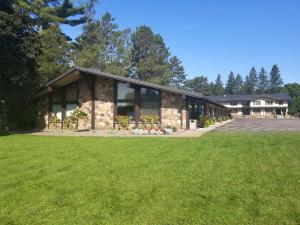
<point x="256" y="105"/>
<point x="105" y="96"/>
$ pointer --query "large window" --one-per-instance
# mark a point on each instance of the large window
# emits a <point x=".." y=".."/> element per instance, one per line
<point x="233" y="103"/>
<point x="136" y="102"/>
<point x="256" y="102"/>
<point x="269" y="102"/>
<point x="64" y="101"/>
<point x="150" y="102"/>
<point x="125" y="100"/>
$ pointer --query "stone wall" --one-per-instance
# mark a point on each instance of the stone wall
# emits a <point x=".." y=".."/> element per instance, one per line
<point x="104" y="105"/>
<point x="173" y="110"/>
<point x="84" y="103"/>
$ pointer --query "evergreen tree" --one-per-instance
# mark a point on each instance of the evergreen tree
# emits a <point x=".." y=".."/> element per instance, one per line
<point x="49" y="12"/>
<point x="275" y="80"/>
<point x="198" y="84"/>
<point x="150" y="56"/>
<point x="55" y="58"/>
<point x="87" y="46"/>
<point x="263" y="82"/>
<point x="238" y="84"/>
<point x="252" y="81"/>
<point x="102" y="45"/>
<point x="19" y="48"/>
<point x="218" y="88"/>
<point x="177" y="73"/>
<point x="231" y="84"/>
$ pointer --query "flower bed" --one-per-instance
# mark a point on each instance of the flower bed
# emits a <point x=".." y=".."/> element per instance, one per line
<point x="153" y="131"/>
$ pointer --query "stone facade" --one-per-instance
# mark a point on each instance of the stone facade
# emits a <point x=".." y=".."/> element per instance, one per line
<point x="104" y="104"/>
<point x="173" y="110"/>
<point x="84" y="103"/>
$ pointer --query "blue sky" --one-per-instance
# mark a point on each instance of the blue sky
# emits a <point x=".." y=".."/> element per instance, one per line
<point x="216" y="36"/>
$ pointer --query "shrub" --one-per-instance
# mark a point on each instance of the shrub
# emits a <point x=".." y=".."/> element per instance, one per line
<point x="150" y="119"/>
<point x="54" y="121"/>
<point x="170" y="127"/>
<point x="123" y="122"/>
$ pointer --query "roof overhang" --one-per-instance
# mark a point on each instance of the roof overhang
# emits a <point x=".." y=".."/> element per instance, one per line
<point x="76" y="73"/>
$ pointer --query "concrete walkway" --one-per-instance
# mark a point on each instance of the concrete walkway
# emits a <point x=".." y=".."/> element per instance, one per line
<point x="125" y="133"/>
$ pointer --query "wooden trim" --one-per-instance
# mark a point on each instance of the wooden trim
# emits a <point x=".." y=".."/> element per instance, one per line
<point x="63" y="107"/>
<point x="93" y="97"/>
<point x="160" y="107"/>
<point x="187" y="113"/>
<point x="49" y="109"/>
<point x="115" y="83"/>
<point x="137" y="105"/>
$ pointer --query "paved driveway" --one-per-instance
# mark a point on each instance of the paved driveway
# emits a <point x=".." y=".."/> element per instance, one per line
<point x="261" y="125"/>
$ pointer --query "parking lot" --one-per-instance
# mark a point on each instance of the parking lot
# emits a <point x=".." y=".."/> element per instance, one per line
<point x="261" y="125"/>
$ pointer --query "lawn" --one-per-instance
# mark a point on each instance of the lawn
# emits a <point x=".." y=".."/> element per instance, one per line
<point x="216" y="179"/>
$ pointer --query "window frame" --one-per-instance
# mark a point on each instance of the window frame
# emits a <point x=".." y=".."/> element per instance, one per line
<point x="62" y="102"/>
<point x="137" y="101"/>
<point x="233" y="103"/>
<point x="256" y="101"/>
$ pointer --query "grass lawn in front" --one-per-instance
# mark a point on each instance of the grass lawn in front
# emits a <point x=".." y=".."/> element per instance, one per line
<point x="215" y="179"/>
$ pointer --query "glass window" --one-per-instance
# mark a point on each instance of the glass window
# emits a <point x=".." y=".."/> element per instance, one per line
<point x="57" y="111"/>
<point x="71" y="94"/>
<point x="57" y="96"/>
<point x="150" y="108"/>
<point x="269" y="103"/>
<point x="70" y="108"/>
<point x="269" y="110"/>
<point x="150" y="101"/>
<point x="256" y="103"/>
<point x="234" y="103"/>
<point x="125" y="92"/>
<point x="125" y="109"/>
<point x="148" y="94"/>
<point x="280" y="102"/>
<point x="256" y="110"/>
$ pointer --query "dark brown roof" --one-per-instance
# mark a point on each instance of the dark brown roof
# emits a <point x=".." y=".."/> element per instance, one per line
<point x="228" y="98"/>
<point x="97" y="72"/>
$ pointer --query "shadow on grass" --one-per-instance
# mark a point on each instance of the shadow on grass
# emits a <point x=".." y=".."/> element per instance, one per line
<point x="7" y="133"/>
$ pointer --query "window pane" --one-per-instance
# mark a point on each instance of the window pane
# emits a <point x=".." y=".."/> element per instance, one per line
<point x="125" y="109"/>
<point x="125" y="92"/>
<point x="57" y="96"/>
<point x="57" y="111"/>
<point x="70" y="108"/>
<point x="148" y="94"/>
<point x="71" y="94"/>
<point x="149" y="108"/>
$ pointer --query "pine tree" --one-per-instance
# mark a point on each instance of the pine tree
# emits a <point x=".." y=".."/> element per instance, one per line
<point x="56" y="58"/>
<point x="19" y="47"/>
<point x="49" y="12"/>
<point x="198" y="84"/>
<point x="231" y="84"/>
<point x="252" y="82"/>
<point x="150" y="56"/>
<point x="275" y="79"/>
<point x="102" y="45"/>
<point x="263" y="82"/>
<point x="238" y="84"/>
<point x="177" y="73"/>
<point x="218" y="88"/>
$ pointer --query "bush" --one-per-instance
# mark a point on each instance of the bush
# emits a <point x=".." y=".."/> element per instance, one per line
<point x="123" y="122"/>
<point x="150" y="119"/>
<point x="72" y="120"/>
<point x="54" y="121"/>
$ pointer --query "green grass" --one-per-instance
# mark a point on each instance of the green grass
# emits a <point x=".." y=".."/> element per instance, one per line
<point x="216" y="179"/>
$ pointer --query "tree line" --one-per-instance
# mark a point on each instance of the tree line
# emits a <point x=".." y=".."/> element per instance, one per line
<point x="254" y="83"/>
<point x="34" y="49"/>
